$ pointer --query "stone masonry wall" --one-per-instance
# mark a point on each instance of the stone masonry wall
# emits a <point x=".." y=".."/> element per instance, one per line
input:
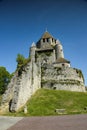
<point x="23" y="87"/>
<point x="45" y="57"/>
<point x="34" y="76"/>
<point x="62" y="78"/>
<point x="9" y="93"/>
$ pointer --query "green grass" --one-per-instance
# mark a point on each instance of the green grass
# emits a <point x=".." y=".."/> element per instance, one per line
<point x="0" y="98"/>
<point x="44" y="102"/>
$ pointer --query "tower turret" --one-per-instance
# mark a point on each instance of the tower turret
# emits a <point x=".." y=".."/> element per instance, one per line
<point x="46" y="41"/>
<point x="59" y="50"/>
<point x="32" y="51"/>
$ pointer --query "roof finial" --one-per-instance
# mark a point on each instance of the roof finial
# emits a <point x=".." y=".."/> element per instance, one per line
<point x="46" y="29"/>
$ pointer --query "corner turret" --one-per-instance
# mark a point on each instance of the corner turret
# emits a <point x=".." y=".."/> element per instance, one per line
<point x="59" y="50"/>
<point x="60" y="60"/>
<point x="32" y="52"/>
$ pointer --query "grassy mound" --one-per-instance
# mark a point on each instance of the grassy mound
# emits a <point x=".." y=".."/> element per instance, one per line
<point x="44" y="102"/>
<point x="0" y="98"/>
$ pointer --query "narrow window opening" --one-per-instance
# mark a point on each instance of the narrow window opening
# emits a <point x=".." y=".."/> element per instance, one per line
<point x="47" y="39"/>
<point x="43" y="40"/>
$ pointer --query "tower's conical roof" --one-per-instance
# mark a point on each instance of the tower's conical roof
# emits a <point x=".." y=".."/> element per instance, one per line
<point x="47" y="39"/>
<point x="47" y="35"/>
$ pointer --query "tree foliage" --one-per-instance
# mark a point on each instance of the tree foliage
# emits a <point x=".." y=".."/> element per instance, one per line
<point x="4" y="79"/>
<point x="21" y="61"/>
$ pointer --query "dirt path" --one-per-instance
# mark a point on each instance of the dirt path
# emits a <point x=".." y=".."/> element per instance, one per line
<point x="70" y="122"/>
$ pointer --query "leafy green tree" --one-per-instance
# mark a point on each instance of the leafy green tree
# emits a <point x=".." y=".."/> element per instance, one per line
<point x="20" y="60"/>
<point x="4" y="79"/>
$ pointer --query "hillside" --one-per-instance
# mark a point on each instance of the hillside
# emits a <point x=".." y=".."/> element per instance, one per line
<point x="44" y="102"/>
<point x="0" y="98"/>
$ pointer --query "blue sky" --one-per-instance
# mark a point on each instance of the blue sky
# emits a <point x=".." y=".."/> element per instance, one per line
<point x="24" y="21"/>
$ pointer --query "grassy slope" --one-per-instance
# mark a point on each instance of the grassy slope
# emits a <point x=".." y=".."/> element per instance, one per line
<point x="44" y="102"/>
<point x="0" y="98"/>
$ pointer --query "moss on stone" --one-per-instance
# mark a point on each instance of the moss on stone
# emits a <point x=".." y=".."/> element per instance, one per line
<point x="79" y="72"/>
<point x="66" y="82"/>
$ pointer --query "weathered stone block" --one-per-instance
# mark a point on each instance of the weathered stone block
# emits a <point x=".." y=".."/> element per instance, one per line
<point x="60" y="111"/>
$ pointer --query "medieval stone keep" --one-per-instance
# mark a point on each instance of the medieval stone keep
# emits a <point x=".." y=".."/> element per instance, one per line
<point x="47" y="69"/>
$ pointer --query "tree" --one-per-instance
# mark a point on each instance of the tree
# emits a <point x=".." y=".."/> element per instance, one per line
<point x="21" y="61"/>
<point x="4" y="79"/>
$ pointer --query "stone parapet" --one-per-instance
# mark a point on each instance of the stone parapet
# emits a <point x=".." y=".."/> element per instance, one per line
<point x="62" y="78"/>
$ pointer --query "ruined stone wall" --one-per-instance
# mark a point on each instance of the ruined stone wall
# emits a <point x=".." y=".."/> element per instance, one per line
<point x="45" y="56"/>
<point x="24" y="85"/>
<point x="33" y="76"/>
<point x="62" y="78"/>
<point x="9" y="93"/>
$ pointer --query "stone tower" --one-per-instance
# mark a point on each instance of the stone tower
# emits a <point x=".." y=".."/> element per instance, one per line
<point x="48" y="44"/>
<point x="59" y="50"/>
<point x="32" y="51"/>
<point x="47" y="69"/>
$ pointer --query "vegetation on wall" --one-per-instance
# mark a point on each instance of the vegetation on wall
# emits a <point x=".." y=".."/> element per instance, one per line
<point x="43" y="55"/>
<point x="48" y="53"/>
<point x="79" y="72"/>
<point x="5" y="76"/>
<point x="58" y="69"/>
<point x="43" y="70"/>
<point x="21" y="62"/>
<point x="62" y="82"/>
